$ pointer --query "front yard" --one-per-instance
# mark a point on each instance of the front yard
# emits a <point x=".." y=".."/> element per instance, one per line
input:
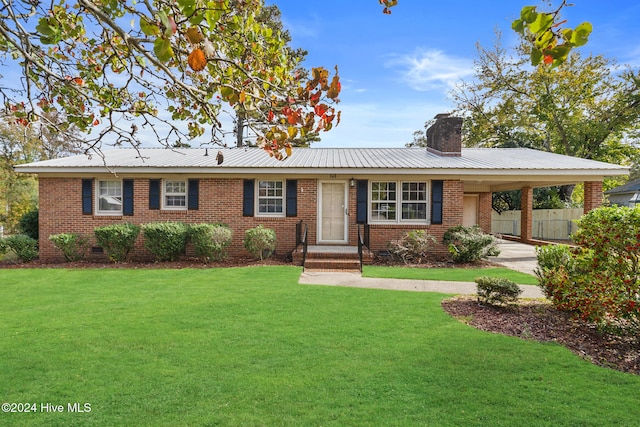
<point x="249" y="346"/>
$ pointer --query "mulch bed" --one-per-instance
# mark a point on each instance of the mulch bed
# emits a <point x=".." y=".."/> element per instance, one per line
<point x="539" y="320"/>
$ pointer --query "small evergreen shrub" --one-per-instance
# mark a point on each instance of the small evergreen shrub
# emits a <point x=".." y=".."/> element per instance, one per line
<point x="3" y="246"/>
<point x="28" y="224"/>
<point x="260" y="241"/>
<point x="117" y="240"/>
<point x="25" y="247"/>
<point x="469" y="244"/>
<point x="412" y="247"/>
<point x="497" y="290"/>
<point x="551" y="257"/>
<point x="165" y="240"/>
<point x="210" y="241"/>
<point x="72" y="245"/>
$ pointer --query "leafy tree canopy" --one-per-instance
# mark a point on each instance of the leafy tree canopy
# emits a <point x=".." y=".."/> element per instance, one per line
<point x="110" y="65"/>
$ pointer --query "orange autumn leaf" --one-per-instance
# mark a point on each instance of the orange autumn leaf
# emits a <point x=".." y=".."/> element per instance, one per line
<point x="196" y="60"/>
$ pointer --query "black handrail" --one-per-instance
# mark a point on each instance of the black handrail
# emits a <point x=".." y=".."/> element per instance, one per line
<point x="360" y="245"/>
<point x="305" y="244"/>
<point x="301" y="239"/>
<point x="363" y="240"/>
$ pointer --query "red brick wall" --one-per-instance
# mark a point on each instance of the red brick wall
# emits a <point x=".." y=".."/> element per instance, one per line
<point x="220" y="200"/>
<point x="592" y="195"/>
<point x="484" y="212"/>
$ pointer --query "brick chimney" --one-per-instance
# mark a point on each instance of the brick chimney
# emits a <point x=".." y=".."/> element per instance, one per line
<point x="444" y="137"/>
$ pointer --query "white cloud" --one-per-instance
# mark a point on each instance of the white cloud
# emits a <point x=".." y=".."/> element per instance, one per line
<point x="431" y="69"/>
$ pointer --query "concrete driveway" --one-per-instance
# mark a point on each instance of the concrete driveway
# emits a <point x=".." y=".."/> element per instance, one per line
<point x="516" y="256"/>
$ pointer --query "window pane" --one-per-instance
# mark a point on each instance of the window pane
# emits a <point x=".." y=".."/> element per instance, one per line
<point x="270" y="197"/>
<point x="176" y="201"/>
<point x="414" y="211"/>
<point x="175" y="187"/>
<point x="175" y="194"/>
<point x="110" y="196"/>
<point x="383" y="201"/>
<point x="414" y="191"/>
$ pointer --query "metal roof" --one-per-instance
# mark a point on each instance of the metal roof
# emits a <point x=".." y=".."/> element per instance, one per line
<point x="203" y="160"/>
<point x="629" y="187"/>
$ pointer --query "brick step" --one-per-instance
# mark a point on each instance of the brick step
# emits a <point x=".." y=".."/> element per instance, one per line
<point x="332" y="255"/>
<point x="331" y="264"/>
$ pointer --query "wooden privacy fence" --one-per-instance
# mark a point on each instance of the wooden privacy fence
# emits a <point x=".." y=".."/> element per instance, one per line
<point x="552" y="224"/>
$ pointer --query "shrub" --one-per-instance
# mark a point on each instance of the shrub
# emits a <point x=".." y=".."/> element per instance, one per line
<point x="165" y="240"/>
<point x="25" y="247"/>
<point x="412" y="247"/>
<point x="260" y="241"/>
<point x="72" y="245"/>
<point x="210" y="241"/>
<point x="3" y="246"/>
<point x="601" y="281"/>
<point x="551" y="257"/>
<point x="28" y="224"/>
<point x="117" y="240"/>
<point x="469" y="244"/>
<point x="497" y="290"/>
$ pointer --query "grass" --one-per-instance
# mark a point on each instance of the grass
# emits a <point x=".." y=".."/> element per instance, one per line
<point x="448" y="274"/>
<point x="250" y="346"/>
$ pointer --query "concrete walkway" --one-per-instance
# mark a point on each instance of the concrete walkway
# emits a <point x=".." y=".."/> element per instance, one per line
<point x="513" y="255"/>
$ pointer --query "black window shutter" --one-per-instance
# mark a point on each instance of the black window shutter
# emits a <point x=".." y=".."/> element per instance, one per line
<point x="362" y="196"/>
<point x="127" y="197"/>
<point x="292" y="197"/>
<point x="437" y="193"/>
<point x="247" y="197"/>
<point x="87" y="196"/>
<point x="193" y="194"/>
<point x="154" y="194"/>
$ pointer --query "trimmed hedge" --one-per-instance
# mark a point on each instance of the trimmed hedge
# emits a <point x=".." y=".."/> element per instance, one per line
<point x="210" y="241"/>
<point x="25" y="247"/>
<point x="260" y="241"/>
<point x="117" y="240"/>
<point x="72" y="245"/>
<point x="165" y="240"/>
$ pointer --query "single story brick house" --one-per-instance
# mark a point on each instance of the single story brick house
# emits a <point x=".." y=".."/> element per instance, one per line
<point x="330" y="190"/>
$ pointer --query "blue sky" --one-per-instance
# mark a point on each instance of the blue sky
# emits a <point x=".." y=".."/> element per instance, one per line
<point x="396" y="70"/>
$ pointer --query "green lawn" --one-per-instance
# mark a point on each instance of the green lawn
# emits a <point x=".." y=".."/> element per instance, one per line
<point x="448" y="274"/>
<point x="250" y="346"/>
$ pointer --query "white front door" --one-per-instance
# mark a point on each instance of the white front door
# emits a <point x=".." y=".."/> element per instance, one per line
<point x="332" y="212"/>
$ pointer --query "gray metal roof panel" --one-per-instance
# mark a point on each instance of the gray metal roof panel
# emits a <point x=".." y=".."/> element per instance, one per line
<point x="329" y="158"/>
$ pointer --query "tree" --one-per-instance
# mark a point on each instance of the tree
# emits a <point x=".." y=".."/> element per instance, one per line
<point x="18" y="192"/>
<point x="110" y="67"/>
<point x="584" y="108"/>
<point x="271" y="16"/>
<point x="549" y="43"/>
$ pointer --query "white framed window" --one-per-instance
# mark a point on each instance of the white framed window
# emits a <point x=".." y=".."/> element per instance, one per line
<point x="414" y="201"/>
<point x="383" y="201"/>
<point x="270" y="198"/>
<point x="174" y="194"/>
<point x="109" y="198"/>
<point x="398" y="202"/>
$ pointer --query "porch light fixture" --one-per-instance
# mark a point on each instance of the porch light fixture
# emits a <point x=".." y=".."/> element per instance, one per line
<point x="352" y="182"/>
